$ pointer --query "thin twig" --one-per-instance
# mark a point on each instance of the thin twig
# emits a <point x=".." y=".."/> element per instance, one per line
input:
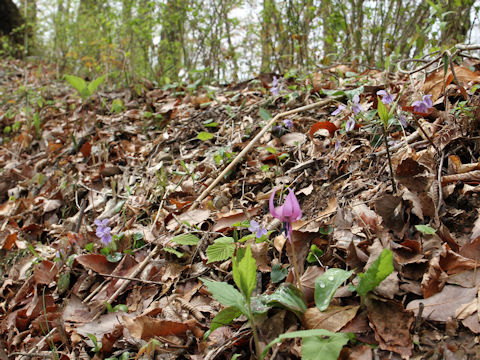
<point x="83" y="206"/>
<point x="133" y="279"/>
<point x="389" y="160"/>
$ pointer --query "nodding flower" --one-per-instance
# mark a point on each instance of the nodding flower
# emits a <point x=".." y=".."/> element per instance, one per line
<point x="287" y="213"/>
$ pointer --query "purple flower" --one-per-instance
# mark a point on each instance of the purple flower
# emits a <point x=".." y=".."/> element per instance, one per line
<point x="350" y="124"/>
<point x="402" y="120"/>
<point x="274" y="88"/>
<point x="337" y="145"/>
<point x="256" y="228"/>
<point x="287" y="213"/>
<point x="277" y="130"/>
<point x="356" y="107"/>
<point x="103" y="231"/>
<point x="386" y="97"/>
<point x="288" y="123"/>
<point x="423" y="106"/>
<point x="340" y="108"/>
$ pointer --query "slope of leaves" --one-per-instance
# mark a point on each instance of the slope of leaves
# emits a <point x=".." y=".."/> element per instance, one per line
<point x="142" y="165"/>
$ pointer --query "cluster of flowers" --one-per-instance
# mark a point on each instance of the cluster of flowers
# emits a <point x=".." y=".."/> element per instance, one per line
<point x="103" y="231"/>
<point x="422" y="106"/>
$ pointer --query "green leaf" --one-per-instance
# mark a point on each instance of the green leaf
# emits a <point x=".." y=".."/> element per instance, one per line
<point x="173" y="251"/>
<point x="271" y="150"/>
<point x="114" y="257"/>
<point x="326" y="344"/>
<point x="124" y="356"/>
<point x="120" y="307"/>
<point x="63" y="282"/>
<point x="244" y="223"/>
<point x="77" y="83"/>
<point x="97" y="345"/>
<point x="89" y="247"/>
<point x="287" y="296"/>
<point x="278" y="273"/>
<point x="332" y="92"/>
<point x="224" y="317"/>
<point x="376" y="273"/>
<point x="382" y="112"/>
<point x="245" y="273"/>
<point x="204" y="136"/>
<point x="314" y="254"/>
<point x="264" y="114"/>
<point x="222" y="249"/>
<point x="329" y="347"/>
<point x="186" y="239"/>
<point x="327" y="284"/>
<point x="425" y="229"/>
<point x="94" y="84"/>
<point x="226" y="294"/>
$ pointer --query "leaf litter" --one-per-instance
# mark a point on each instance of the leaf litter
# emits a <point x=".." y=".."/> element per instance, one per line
<point x="153" y="172"/>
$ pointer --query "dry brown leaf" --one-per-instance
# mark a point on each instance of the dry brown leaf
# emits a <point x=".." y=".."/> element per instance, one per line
<point x="476" y="228"/>
<point x="293" y="139"/>
<point x="145" y="327"/>
<point x="332" y="319"/>
<point x="434" y="83"/>
<point x="193" y="217"/>
<point x="260" y="254"/>
<point x="434" y="279"/>
<point x="96" y="262"/>
<point x="225" y="221"/>
<point x="391" y="323"/>
<point x="45" y="272"/>
<point x="441" y="306"/>
<point x="307" y="280"/>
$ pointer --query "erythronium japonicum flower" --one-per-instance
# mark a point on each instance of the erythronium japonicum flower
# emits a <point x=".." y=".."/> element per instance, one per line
<point x="423" y="106"/>
<point x="287" y="213"/>
<point x="257" y="229"/>
<point x="103" y="231"/>
<point x="386" y="97"/>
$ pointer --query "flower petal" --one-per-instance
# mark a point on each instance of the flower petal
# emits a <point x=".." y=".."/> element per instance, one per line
<point x="273" y="211"/>
<point x="427" y="99"/>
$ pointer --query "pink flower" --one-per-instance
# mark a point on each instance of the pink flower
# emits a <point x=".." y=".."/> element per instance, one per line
<point x="287" y="213"/>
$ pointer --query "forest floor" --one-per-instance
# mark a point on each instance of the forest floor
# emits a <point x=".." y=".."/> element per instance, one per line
<point x="148" y="162"/>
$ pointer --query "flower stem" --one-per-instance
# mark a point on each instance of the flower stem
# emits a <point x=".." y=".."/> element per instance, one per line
<point x="254" y="331"/>
<point x="389" y="160"/>
<point x="295" y="268"/>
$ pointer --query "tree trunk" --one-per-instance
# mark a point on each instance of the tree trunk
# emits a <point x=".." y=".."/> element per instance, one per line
<point x="457" y="20"/>
<point x="11" y="19"/>
<point x="170" y="54"/>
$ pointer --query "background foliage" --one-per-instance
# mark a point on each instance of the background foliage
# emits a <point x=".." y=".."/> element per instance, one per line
<point x="229" y="40"/>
